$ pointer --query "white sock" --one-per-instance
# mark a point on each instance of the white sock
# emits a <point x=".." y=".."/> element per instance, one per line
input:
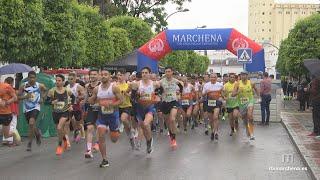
<point x="89" y="146"/>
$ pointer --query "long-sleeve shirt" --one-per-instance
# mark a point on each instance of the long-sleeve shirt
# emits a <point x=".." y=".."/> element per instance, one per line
<point x="265" y="86"/>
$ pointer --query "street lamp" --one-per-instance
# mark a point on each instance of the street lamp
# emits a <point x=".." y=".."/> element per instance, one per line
<point x="201" y="27"/>
<point x="183" y="10"/>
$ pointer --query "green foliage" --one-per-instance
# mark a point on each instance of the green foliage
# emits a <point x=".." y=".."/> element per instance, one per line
<point x="303" y="42"/>
<point x="152" y="12"/>
<point x="186" y="62"/>
<point x="121" y="42"/>
<point x="139" y="32"/>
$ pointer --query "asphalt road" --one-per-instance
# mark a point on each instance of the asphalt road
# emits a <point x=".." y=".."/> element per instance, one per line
<point x="196" y="158"/>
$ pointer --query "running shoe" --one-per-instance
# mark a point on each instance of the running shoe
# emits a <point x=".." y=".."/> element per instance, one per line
<point x="16" y="137"/>
<point x="88" y="154"/>
<point x="59" y="150"/>
<point x="252" y="137"/>
<point x="149" y="146"/>
<point x="216" y="136"/>
<point x="78" y="138"/>
<point x="29" y="146"/>
<point x="173" y="143"/>
<point x="104" y="163"/>
<point x="212" y="137"/>
<point x="138" y="145"/>
<point x="66" y="144"/>
<point x="206" y="132"/>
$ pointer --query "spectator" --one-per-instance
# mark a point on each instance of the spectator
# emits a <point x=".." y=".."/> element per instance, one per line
<point x="315" y="102"/>
<point x="294" y="88"/>
<point x="302" y="95"/>
<point x="284" y="85"/>
<point x="290" y="89"/>
<point x="265" y="93"/>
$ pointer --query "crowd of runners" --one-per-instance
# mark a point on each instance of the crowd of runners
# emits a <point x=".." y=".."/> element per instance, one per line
<point x="141" y="104"/>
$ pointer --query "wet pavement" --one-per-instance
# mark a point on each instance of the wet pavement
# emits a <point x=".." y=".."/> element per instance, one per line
<point x="196" y="158"/>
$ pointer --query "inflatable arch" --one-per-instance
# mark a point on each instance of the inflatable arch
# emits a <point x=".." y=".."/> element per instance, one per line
<point x="198" y="39"/>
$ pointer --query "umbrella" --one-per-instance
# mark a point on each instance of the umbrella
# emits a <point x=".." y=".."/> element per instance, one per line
<point x="14" y="68"/>
<point x="313" y="65"/>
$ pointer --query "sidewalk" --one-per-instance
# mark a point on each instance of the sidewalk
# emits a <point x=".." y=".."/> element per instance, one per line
<point x="299" y="125"/>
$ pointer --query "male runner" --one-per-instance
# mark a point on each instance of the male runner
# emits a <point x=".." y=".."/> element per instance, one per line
<point x="7" y="97"/>
<point x="60" y="98"/>
<point x="31" y="92"/>
<point x="125" y="108"/>
<point x="77" y="96"/>
<point x="170" y="104"/>
<point x="232" y="103"/>
<point x="245" y="91"/>
<point x="187" y="102"/>
<point x="109" y="97"/>
<point x="212" y="90"/>
<point x="91" y="114"/>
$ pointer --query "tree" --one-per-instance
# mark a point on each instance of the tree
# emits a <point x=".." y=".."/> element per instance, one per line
<point x="139" y="32"/>
<point x="121" y="42"/>
<point x="99" y="40"/>
<point x="303" y="42"/>
<point x="152" y="11"/>
<point x="186" y="62"/>
<point x="11" y="25"/>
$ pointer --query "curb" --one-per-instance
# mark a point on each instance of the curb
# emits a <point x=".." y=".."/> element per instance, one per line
<point x="312" y="166"/>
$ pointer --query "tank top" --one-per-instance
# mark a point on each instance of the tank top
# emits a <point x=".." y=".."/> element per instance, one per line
<point x="34" y="101"/>
<point x="146" y="93"/>
<point x="170" y="90"/>
<point x="63" y="101"/>
<point x="106" y="96"/>
<point x="123" y="88"/>
<point x="245" y="92"/>
<point x="231" y="101"/>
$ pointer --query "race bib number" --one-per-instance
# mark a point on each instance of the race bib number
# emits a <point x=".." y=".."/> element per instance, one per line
<point x="185" y="102"/>
<point x="244" y="100"/>
<point x="95" y="107"/>
<point x="212" y="103"/>
<point x="107" y="110"/>
<point x="32" y="97"/>
<point x="59" y="105"/>
<point x="146" y="97"/>
<point x="171" y="96"/>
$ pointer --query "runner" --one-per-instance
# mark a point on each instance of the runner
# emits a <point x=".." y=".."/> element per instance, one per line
<point x="7" y="97"/>
<point x="125" y="108"/>
<point x="203" y="106"/>
<point x="109" y="98"/>
<point x="169" y="106"/>
<point x="31" y="92"/>
<point x="91" y="114"/>
<point x="232" y="103"/>
<point x="196" y="114"/>
<point x="76" y="113"/>
<point x="60" y="98"/>
<point x="187" y="102"/>
<point x="245" y="91"/>
<point x="212" y="90"/>
<point x="145" y="107"/>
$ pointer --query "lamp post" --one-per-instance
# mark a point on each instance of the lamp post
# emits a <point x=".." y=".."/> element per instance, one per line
<point x="202" y="27"/>
<point x="183" y="10"/>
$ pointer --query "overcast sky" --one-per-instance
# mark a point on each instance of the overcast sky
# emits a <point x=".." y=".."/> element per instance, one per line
<point x="216" y="14"/>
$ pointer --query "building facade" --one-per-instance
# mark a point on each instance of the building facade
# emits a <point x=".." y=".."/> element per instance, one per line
<point x="270" y="21"/>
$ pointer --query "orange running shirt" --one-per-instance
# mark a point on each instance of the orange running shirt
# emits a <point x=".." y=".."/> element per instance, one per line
<point x="5" y="94"/>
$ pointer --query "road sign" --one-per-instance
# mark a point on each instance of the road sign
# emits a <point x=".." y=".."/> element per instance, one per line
<point x="244" y="55"/>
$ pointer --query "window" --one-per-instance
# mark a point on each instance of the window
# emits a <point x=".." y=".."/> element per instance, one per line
<point x="287" y="12"/>
<point x="269" y="13"/>
<point x="269" y="22"/>
<point x="262" y="22"/>
<point x="269" y="30"/>
<point x="262" y="38"/>
<point x="262" y="30"/>
<point x="262" y="13"/>
<point x="264" y="4"/>
<point x="270" y="38"/>
<point x="295" y="12"/>
<point x="280" y="12"/>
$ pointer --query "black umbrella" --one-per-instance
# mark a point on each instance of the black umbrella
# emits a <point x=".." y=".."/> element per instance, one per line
<point x="313" y="66"/>
<point x="14" y="68"/>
